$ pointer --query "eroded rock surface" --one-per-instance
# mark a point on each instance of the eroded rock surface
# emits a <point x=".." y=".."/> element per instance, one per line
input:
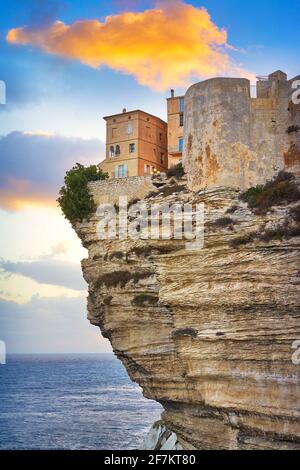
<point x="161" y="438"/>
<point x="206" y="333"/>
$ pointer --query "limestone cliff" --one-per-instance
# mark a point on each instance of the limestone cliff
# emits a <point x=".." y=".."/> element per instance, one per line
<point x="206" y="333"/>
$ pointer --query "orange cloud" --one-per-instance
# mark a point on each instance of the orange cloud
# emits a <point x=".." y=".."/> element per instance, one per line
<point x="21" y="194"/>
<point x="33" y="165"/>
<point x="171" y="44"/>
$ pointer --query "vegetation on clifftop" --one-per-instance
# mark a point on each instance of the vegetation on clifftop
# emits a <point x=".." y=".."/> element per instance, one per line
<point x="176" y="170"/>
<point x="283" y="189"/>
<point x="74" y="199"/>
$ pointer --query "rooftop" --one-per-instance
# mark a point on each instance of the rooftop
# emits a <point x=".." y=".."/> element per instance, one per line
<point x="134" y="111"/>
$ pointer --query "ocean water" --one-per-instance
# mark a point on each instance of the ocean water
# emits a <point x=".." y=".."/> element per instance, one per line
<point x="71" y="402"/>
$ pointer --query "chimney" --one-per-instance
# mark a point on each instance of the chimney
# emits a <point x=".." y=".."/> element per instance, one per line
<point x="172" y="93"/>
<point x="124" y="110"/>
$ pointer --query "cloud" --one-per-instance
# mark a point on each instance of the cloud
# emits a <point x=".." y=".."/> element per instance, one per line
<point x="47" y="271"/>
<point x="33" y="166"/>
<point x="58" y="249"/>
<point x="49" y="324"/>
<point x="171" y="44"/>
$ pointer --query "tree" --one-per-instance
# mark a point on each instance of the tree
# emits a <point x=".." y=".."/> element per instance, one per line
<point x="74" y="199"/>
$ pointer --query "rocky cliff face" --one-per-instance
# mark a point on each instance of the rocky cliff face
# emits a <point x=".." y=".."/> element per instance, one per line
<point x="206" y="333"/>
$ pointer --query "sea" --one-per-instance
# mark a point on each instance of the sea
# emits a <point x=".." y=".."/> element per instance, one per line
<point x="71" y="401"/>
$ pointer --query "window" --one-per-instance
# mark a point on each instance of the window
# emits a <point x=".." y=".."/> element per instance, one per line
<point x="146" y="169"/>
<point x="122" y="171"/>
<point x="114" y="132"/>
<point x="160" y="136"/>
<point x="148" y="132"/>
<point x="111" y="151"/>
<point x="118" y="151"/>
<point x="181" y="119"/>
<point x="181" y="104"/>
<point x="180" y="144"/>
<point x="131" y="148"/>
<point x="162" y="158"/>
<point x="129" y="129"/>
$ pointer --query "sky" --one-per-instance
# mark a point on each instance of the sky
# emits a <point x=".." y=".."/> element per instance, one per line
<point x="66" y="64"/>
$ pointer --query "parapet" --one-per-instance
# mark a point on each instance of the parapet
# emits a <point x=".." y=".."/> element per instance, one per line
<point x="109" y="191"/>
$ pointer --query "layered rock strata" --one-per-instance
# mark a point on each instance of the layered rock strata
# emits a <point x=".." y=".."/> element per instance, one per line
<point x="209" y="334"/>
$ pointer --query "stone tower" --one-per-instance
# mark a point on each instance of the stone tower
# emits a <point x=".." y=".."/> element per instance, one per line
<point x="231" y="139"/>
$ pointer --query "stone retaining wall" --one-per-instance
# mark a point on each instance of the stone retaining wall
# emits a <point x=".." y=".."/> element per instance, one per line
<point x="109" y="191"/>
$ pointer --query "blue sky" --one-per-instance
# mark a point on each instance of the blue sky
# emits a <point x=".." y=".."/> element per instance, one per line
<point x="53" y="118"/>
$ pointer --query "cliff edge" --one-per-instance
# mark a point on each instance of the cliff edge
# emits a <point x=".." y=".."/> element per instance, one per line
<point x="209" y="334"/>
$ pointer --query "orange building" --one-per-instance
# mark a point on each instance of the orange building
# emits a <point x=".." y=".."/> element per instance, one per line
<point x="175" y="108"/>
<point x="136" y="144"/>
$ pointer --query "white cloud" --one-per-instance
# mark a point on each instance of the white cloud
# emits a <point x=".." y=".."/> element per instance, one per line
<point x="48" y="271"/>
<point x="48" y="325"/>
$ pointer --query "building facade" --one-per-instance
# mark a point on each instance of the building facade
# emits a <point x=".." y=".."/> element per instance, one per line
<point x="136" y="144"/>
<point x="175" y="109"/>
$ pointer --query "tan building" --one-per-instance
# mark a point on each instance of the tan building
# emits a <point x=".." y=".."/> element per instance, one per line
<point x="136" y="144"/>
<point x="175" y="108"/>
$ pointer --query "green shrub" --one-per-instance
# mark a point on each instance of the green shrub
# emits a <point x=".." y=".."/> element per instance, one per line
<point x="74" y="199"/>
<point x="168" y="190"/>
<point x="232" y="209"/>
<point x="117" y="255"/>
<point x="295" y="213"/>
<point x="176" y="170"/>
<point x="185" y="332"/>
<point x="121" y="278"/>
<point x="142" y="299"/>
<point x="276" y="233"/>
<point x="294" y="231"/>
<point x="281" y="190"/>
<point x="223" y="222"/>
<point x="152" y="194"/>
<point x="243" y="239"/>
<point x="163" y="249"/>
<point x="107" y="300"/>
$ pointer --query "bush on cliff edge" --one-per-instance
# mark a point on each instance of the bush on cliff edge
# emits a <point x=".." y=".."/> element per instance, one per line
<point x="176" y="170"/>
<point x="74" y="199"/>
<point x="281" y="190"/>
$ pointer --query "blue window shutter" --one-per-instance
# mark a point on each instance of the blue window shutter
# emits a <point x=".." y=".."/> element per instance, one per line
<point x="125" y="170"/>
<point x="181" y="104"/>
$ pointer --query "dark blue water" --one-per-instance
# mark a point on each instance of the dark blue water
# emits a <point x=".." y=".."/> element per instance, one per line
<point x="71" y="402"/>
